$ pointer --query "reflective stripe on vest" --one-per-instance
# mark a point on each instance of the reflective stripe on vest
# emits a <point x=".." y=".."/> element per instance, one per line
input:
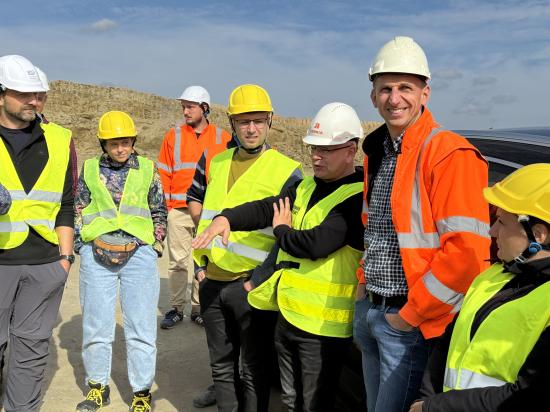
<point x="495" y="353"/>
<point x="133" y="215"/>
<point x="241" y="250"/>
<point x="178" y="164"/>
<point x="178" y="167"/>
<point x="469" y="380"/>
<point x="38" y="208"/>
<point x="164" y="167"/>
<point x="418" y="239"/>
<point x="209" y="214"/>
<point x="316" y="296"/>
<point x="112" y="213"/>
<point x="265" y="177"/>
<point x="175" y="196"/>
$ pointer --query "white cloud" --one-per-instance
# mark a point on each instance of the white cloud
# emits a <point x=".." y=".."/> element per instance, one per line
<point x="473" y="108"/>
<point x="476" y="50"/>
<point x="102" y="25"/>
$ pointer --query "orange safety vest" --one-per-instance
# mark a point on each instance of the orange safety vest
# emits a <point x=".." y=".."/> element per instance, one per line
<point x="178" y="157"/>
<point x="441" y="220"/>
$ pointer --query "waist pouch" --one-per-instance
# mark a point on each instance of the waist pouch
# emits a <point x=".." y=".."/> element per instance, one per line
<point x="111" y="252"/>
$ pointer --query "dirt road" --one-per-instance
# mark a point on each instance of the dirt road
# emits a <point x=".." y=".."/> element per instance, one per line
<point x="182" y="363"/>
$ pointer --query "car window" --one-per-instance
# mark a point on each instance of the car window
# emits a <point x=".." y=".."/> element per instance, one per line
<point x="515" y="152"/>
<point x="497" y="172"/>
<point x="505" y="156"/>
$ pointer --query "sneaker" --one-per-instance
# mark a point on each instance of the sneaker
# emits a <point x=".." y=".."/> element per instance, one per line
<point x="197" y="318"/>
<point x="97" y="398"/>
<point x="141" y="402"/>
<point x="207" y="398"/>
<point x="171" y="318"/>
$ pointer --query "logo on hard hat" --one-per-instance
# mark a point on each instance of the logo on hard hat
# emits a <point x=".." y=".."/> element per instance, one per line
<point x="316" y="129"/>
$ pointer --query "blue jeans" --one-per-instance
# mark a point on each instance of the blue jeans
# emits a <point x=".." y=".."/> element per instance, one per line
<point x="393" y="360"/>
<point x="139" y="286"/>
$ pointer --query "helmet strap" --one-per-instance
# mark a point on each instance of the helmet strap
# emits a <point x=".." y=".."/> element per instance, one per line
<point x="534" y="246"/>
<point x="254" y="150"/>
<point x="205" y="109"/>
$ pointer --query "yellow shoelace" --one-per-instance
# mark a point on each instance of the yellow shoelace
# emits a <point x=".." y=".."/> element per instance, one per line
<point x="144" y="407"/>
<point x="95" y="395"/>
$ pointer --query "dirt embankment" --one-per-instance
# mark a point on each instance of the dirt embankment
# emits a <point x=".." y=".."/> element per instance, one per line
<point x="79" y="106"/>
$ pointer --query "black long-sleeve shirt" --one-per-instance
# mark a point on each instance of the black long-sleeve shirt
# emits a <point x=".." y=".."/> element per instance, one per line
<point x="29" y="153"/>
<point x="341" y="227"/>
<point x="530" y="389"/>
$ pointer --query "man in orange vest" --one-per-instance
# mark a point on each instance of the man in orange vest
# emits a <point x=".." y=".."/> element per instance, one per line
<point x="181" y="149"/>
<point x="426" y="234"/>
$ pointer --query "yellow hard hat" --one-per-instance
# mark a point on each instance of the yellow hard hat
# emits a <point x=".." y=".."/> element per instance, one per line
<point x="249" y="98"/>
<point x="524" y="192"/>
<point x="115" y="124"/>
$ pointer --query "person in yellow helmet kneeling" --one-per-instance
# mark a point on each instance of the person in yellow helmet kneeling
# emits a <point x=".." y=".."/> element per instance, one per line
<point x="495" y="356"/>
<point x="120" y="225"/>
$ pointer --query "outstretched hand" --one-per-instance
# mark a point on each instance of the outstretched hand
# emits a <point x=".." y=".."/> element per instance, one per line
<point x="219" y="226"/>
<point x="282" y="213"/>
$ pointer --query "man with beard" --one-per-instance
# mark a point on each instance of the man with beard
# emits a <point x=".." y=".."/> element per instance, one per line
<point x="36" y="234"/>
<point x="181" y="149"/>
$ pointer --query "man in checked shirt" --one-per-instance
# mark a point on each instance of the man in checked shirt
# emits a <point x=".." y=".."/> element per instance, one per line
<point x="426" y="234"/>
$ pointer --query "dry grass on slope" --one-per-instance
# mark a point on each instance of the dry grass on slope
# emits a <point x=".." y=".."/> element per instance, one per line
<point x="78" y="107"/>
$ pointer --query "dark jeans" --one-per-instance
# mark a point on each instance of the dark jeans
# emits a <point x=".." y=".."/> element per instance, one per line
<point x="30" y="296"/>
<point x="237" y="337"/>
<point x="310" y="367"/>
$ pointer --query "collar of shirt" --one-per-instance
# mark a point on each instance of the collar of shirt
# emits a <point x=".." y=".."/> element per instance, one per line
<point x="393" y="146"/>
<point x="106" y="161"/>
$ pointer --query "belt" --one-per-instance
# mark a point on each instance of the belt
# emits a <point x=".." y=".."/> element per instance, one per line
<point x="391" y="301"/>
<point x="128" y="247"/>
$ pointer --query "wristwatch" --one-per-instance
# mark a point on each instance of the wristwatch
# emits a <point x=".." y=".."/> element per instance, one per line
<point x="70" y="258"/>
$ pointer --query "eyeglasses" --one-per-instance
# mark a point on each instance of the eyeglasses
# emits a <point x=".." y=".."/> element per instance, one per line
<point x="245" y="123"/>
<point x="324" y="150"/>
<point x="27" y="96"/>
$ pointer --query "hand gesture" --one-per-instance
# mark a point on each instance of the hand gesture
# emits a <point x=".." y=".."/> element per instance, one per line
<point x="219" y="226"/>
<point x="282" y="214"/>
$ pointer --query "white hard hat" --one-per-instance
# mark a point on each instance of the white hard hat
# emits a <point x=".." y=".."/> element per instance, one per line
<point x="335" y="123"/>
<point x="43" y="78"/>
<point x="400" y="55"/>
<point x="18" y="73"/>
<point x="196" y="94"/>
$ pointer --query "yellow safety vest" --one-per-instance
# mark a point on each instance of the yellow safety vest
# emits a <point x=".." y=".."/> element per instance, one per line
<point x="38" y="208"/>
<point x="133" y="215"/>
<point x="265" y="177"/>
<point x="315" y="295"/>
<point x="504" y="339"/>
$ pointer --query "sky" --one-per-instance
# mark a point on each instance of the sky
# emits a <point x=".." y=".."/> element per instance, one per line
<point x="489" y="59"/>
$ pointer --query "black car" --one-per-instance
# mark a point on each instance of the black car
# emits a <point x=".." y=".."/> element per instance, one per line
<point x="509" y="149"/>
<point x="506" y="150"/>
